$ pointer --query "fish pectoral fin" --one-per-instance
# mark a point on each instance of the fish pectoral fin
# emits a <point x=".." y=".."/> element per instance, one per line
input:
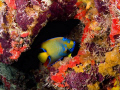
<point x="69" y="55"/>
<point x="48" y="62"/>
<point x="49" y="58"/>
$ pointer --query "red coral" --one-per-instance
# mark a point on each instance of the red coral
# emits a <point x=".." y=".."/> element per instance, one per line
<point x="63" y="68"/>
<point x="11" y="3"/>
<point x="118" y="4"/>
<point x="15" y="54"/>
<point x="57" y="78"/>
<point x="115" y="28"/>
<point x="1" y="49"/>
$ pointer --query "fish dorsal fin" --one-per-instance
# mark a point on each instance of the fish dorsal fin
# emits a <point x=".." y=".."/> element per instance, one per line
<point x="43" y="56"/>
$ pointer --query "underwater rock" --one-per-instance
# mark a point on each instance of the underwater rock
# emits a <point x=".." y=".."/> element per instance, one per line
<point x="22" y="20"/>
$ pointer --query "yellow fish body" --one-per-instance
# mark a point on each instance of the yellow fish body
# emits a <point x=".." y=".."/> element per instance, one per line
<point x="55" y="48"/>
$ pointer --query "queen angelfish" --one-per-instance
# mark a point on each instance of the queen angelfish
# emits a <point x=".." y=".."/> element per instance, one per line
<point x="55" y="49"/>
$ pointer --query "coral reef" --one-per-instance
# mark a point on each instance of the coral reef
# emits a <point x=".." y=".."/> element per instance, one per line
<point x="21" y="21"/>
<point x="97" y="63"/>
<point x="96" y="66"/>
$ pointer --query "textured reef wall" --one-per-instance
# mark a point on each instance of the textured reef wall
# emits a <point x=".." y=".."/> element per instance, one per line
<point x="21" y="21"/>
<point x="97" y="63"/>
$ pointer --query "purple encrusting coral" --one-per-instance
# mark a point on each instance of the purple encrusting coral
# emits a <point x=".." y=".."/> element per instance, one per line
<point x="63" y="10"/>
<point x="97" y="49"/>
<point x="77" y="80"/>
<point x="22" y="18"/>
<point x="102" y="6"/>
<point x="95" y="76"/>
<point x="5" y="40"/>
<point x="41" y="22"/>
<point x="6" y="44"/>
<point x="81" y="80"/>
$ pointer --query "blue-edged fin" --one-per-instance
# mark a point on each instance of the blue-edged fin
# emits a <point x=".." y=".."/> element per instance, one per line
<point x="49" y="58"/>
<point x="69" y="55"/>
<point x="57" y="61"/>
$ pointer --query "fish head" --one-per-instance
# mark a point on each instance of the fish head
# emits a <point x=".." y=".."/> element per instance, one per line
<point x="69" y="44"/>
<point x="43" y="55"/>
